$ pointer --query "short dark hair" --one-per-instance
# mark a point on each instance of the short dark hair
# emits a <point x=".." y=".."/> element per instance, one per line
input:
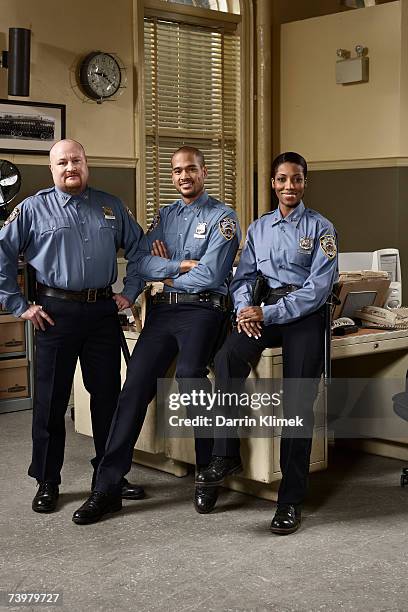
<point x="292" y="158"/>
<point x="187" y="149"/>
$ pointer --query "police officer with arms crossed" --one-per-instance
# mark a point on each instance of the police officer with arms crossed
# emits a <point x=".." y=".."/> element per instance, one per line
<point x="185" y="319"/>
<point x="70" y="234"/>
<point x="294" y="248"/>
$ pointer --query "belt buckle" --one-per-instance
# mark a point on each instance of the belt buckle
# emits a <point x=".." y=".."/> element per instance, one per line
<point x="91" y="297"/>
<point x="175" y="298"/>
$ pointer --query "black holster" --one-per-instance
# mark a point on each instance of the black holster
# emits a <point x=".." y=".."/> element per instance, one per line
<point x="260" y="290"/>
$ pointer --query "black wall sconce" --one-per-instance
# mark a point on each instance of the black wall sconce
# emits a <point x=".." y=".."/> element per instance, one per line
<point x="17" y="61"/>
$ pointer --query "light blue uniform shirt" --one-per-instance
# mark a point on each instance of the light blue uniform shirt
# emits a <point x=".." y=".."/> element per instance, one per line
<point x="299" y="249"/>
<point x="71" y="241"/>
<point x="206" y="230"/>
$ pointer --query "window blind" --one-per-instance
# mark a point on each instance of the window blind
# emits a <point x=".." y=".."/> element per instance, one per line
<point x="191" y="97"/>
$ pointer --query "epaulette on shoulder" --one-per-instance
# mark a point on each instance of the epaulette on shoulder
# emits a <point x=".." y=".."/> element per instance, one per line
<point x="216" y="203"/>
<point x="168" y="206"/>
<point x="43" y="191"/>
<point x="270" y="212"/>
<point x="316" y="214"/>
<point x="164" y="210"/>
<point x="224" y="212"/>
<point x="104" y="194"/>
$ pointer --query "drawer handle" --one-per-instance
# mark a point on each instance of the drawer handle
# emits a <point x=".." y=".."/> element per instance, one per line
<point x="376" y="345"/>
<point x="14" y="343"/>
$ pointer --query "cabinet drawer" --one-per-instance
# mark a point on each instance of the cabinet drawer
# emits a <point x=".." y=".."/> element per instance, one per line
<point x="12" y="335"/>
<point x="318" y="452"/>
<point x="13" y="378"/>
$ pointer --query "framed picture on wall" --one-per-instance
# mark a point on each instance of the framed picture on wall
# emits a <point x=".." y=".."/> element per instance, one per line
<point x="30" y="127"/>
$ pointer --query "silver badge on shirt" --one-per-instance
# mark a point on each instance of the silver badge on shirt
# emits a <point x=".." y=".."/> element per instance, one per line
<point x="201" y="230"/>
<point x="306" y="244"/>
<point x="108" y="212"/>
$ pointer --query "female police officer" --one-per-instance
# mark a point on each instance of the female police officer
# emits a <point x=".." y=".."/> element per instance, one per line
<point x="294" y="248"/>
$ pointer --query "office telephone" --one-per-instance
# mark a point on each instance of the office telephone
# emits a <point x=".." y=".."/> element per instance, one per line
<point x="343" y="325"/>
<point x="373" y="316"/>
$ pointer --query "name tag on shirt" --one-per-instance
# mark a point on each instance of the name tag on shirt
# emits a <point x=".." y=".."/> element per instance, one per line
<point x="108" y="212"/>
<point x="201" y="230"/>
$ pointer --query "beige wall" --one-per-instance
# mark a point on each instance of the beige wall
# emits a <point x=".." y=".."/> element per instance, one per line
<point x="403" y="144"/>
<point x="61" y="34"/>
<point x="294" y="10"/>
<point x="326" y="121"/>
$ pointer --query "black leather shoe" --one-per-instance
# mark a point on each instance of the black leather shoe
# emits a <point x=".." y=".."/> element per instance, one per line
<point x="286" y="520"/>
<point x="131" y="491"/>
<point x="205" y="499"/>
<point x="217" y="470"/>
<point x="128" y="490"/>
<point x="96" y="506"/>
<point x="46" y="498"/>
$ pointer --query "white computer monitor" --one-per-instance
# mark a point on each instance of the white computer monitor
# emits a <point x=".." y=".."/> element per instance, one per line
<point x="386" y="260"/>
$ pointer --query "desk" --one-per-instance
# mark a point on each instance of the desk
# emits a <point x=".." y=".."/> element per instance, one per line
<point x="376" y="354"/>
<point x="382" y="354"/>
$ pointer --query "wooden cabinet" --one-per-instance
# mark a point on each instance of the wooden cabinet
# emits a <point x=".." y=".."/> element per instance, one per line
<point x="16" y="359"/>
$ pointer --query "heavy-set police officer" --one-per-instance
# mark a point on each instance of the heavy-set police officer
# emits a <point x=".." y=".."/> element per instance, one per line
<point x="185" y="319"/>
<point x="294" y="248"/>
<point x="70" y="234"/>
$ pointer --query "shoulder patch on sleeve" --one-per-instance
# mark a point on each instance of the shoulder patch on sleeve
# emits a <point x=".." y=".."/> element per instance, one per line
<point x="328" y="246"/>
<point x="12" y="216"/>
<point x="154" y="223"/>
<point x="228" y="227"/>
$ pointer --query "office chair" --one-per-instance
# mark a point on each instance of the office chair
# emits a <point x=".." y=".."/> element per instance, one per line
<point x="401" y="409"/>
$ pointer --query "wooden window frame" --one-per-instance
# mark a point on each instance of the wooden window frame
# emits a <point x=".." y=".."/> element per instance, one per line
<point x="209" y="18"/>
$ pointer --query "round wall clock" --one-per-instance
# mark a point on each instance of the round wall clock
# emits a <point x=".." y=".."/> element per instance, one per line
<point x="100" y="75"/>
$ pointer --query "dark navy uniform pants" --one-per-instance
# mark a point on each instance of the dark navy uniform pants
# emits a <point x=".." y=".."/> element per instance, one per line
<point x="187" y="330"/>
<point x="90" y="332"/>
<point x="302" y="344"/>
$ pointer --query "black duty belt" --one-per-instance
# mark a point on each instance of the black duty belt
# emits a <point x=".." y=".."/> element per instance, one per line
<point x="274" y="295"/>
<point x="86" y="295"/>
<point x="205" y="297"/>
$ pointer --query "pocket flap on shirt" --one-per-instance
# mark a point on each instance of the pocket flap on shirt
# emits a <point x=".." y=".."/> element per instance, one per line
<point x="298" y="258"/>
<point x="110" y="224"/>
<point x="52" y="224"/>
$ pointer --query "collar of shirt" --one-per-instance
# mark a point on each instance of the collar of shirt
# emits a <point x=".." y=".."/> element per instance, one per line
<point x="194" y="206"/>
<point x="64" y="197"/>
<point x="293" y="217"/>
